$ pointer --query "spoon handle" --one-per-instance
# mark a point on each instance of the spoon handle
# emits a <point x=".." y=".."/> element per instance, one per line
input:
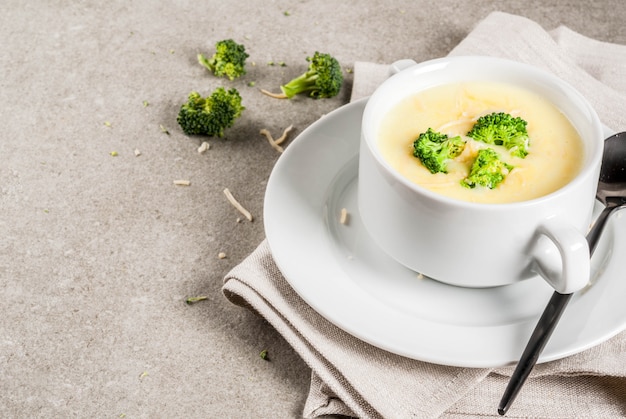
<point x="593" y="236"/>
<point x="546" y="324"/>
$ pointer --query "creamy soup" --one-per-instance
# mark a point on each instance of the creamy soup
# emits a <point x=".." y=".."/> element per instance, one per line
<point x="554" y="156"/>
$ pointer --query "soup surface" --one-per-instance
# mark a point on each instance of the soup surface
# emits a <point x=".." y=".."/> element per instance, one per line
<point x="554" y="157"/>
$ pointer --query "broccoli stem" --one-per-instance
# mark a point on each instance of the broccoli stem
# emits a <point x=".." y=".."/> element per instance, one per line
<point x="303" y="83"/>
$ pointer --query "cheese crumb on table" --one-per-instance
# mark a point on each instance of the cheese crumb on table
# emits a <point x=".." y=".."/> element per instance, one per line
<point x="237" y="205"/>
<point x="276" y="142"/>
<point x="203" y="147"/>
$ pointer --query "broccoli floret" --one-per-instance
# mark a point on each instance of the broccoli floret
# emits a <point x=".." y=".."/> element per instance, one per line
<point x="229" y="60"/>
<point x="211" y="115"/>
<point x="435" y="149"/>
<point x="500" y="128"/>
<point x="323" y="79"/>
<point x="487" y="170"/>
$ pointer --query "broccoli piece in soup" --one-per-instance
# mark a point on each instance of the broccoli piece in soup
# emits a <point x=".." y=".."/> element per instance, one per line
<point x="435" y="150"/>
<point x="488" y="170"/>
<point x="501" y="128"/>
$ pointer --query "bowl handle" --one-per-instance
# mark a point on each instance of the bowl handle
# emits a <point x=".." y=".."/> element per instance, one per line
<point x="400" y="65"/>
<point x="571" y="271"/>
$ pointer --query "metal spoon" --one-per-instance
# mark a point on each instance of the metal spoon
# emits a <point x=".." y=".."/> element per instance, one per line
<point x="612" y="193"/>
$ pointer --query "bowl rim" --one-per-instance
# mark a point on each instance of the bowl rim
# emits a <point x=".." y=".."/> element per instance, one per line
<point x="532" y="75"/>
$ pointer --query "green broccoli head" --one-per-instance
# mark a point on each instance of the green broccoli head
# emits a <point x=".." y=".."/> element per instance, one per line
<point x="229" y="60"/>
<point x="487" y="170"/>
<point x="211" y="115"/>
<point x="435" y="149"/>
<point x="323" y="79"/>
<point x="501" y="128"/>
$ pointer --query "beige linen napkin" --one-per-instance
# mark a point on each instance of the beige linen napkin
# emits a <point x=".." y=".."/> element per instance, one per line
<point x="350" y="377"/>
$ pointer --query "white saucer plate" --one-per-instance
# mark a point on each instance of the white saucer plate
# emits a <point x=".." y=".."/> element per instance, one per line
<point x="345" y="277"/>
